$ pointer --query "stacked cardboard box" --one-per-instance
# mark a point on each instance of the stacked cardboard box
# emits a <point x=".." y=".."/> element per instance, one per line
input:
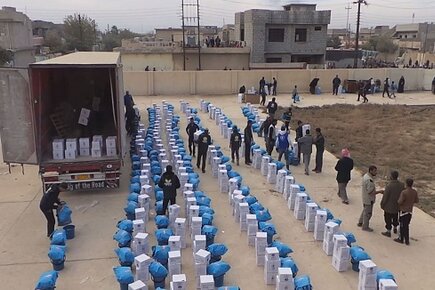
<point x="202" y="259"/>
<point x="331" y="229"/>
<point x="97" y="146"/>
<point x="294" y="189"/>
<point x="137" y="285"/>
<point x="280" y="180"/>
<point x="265" y="165"/>
<point x="141" y="214"/>
<point x="199" y="243"/>
<point x="260" y="247"/>
<point x="58" y="149"/>
<point x="251" y="220"/>
<point x="71" y="148"/>
<point x="206" y="282"/>
<point x="174" y="243"/>
<point x="180" y="230"/>
<point x="195" y="226"/>
<point x="271" y="173"/>
<point x="272" y="263"/>
<point x="257" y="159"/>
<point x="232" y="185"/>
<point x="111" y="146"/>
<point x="223" y="181"/>
<point x="243" y="211"/>
<point x="284" y="279"/>
<point x="174" y="212"/>
<point x="300" y="205"/>
<point x="341" y="253"/>
<point x="387" y="284"/>
<point x="142" y="263"/>
<point x="215" y="166"/>
<point x="319" y="224"/>
<point x="84" y="146"/>
<point x="174" y="263"/>
<point x="233" y="197"/>
<point x="179" y="282"/>
<point x="236" y="208"/>
<point x="140" y="244"/>
<point x="138" y="227"/>
<point x="310" y="216"/>
<point x="367" y="275"/>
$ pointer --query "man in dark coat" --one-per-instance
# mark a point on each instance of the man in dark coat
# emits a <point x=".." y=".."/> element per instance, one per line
<point x="275" y="85"/>
<point x="204" y="140"/>
<point x="344" y="167"/>
<point x="335" y="85"/>
<point x="249" y="140"/>
<point x="190" y="130"/>
<point x="169" y="183"/>
<point x="272" y="107"/>
<point x="235" y="143"/>
<point x="298" y="136"/>
<point x="401" y="87"/>
<point x="262" y="84"/>
<point x="386" y="88"/>
<point x="319" y="141"/>
<point x="389" y="203"/>
<point x="49" y="201"/>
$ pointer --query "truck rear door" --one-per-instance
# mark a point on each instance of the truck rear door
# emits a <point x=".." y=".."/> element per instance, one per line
<point x="17" y="131"/>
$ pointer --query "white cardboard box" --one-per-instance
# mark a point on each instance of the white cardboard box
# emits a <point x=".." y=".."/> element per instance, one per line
<point x="202" y="256"/>
<point x="387" y="284"/>
<point x="271" y="265"/>
<point x="84" y="142"/>
<point x="58" y="144"/>
<point x="111" y="152"/>
<point x="85" y="151"/>
<point x="111" y="142"/>
<point x="368" y="267"/>
<point x="70" y="154"/>
<point x="272" y="254"/>
<point x="137" y="285"/>
<point x="340" y="265"/>
<point x="58" y="154"/>
<point x="96" y="152"/>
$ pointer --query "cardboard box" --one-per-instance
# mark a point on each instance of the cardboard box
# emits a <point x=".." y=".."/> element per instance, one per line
<point x="137" y="285"/>
<point x="285" y="274"/>
<point x="260" y="259"/>
<point x="70" y="154"/>
<point x="111" y="152"/>
<point x="328" y="247"/>
<point x="58" y="144"/>
<point x="85" y="151"/>
<point x="342" y="253"/>
<point x="200" y="269"/>
<point x="286" y="285"/>
<point x="174" y="256"/>
<point x="96" y="152"/>
<point x="270" y="277"/>
<point x="111" y="142"/>
<point x="71" y="144"/>
<point x="368" y="267"/>
<point x="179" y="281"/>
<point x="174" y="268"/>
<point x="202" y="256"/>
<point x="271" y="265"/>
<point x="340" y="265"/>
<point x="84" y="142"/>
<point x="387" y="284"/>
<point x="142" y="261"/>
<point x="272" y="254"/>
<point x="58" y="154"/>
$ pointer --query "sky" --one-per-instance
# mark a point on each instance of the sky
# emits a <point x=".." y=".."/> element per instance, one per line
<point x="144" y="15"/>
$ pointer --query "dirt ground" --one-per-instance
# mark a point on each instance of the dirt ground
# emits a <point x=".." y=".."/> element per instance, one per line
<point x="390" y="136"/>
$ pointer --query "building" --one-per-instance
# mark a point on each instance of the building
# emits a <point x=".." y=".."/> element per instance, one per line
<point x="16" y="36"/>
<point x="415" y="36"/>
<point x="190" y="33"/>
<point x="296" y="34"/>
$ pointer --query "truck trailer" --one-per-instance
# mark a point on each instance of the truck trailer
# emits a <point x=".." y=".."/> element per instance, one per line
<point x="66" y="115"/>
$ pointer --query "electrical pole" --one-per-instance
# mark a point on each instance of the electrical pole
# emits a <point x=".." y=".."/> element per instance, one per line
<point x="355" y="59"/>
<point x="184" y="37"/>
<point x="81" y="31"/>
<point x="199" y="36"/>
<point x="348" y="7"/>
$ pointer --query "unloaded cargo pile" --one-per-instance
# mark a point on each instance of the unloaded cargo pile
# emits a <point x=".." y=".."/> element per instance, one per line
<point x="72" y="148"/>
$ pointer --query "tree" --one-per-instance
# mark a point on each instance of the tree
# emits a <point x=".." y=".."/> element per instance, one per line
<point x="6" y="56"/>
<point x="334" y="42"/>
<point x="381" y="44"/>
<point x="114" y="37"/>
<point x="80" y="32"/>
<point x="54" y="41"/>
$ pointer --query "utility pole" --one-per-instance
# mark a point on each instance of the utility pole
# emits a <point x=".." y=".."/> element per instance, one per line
<point x="355" y="59"/>
<point x="199" y="35"/>
<point x="81" y="31"/>
<point x="348" y="7"/>
<point x="184" y="37"/>
<point x="191" y="15"/>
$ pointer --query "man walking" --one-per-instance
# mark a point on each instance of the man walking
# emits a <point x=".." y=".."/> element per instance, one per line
<point x="406" y="202"/>
<point x="389" y="203"/>
<point x="335" y="85"/>
<point x="319" y="141"/>
<point x="249" y="139"/>
<point x="368" y="198"/>
<point x="386" y="88"/>
<point x="306" y="146"/>
<point x="282" y="145"/>
<point x="169" y="183"/>
<point x="295" y="94"/>
<point x="344" y="167"/>
<point x="204" y="140"/>
<point x="190" y="130"/>
<point x="49" y="201"/>
<point x="298" y="136"/>
<point x="275" y="84"/>
<point x="235" y="143"/>
<point x="271" y="137"/>
<point x="262" y="84"/>
<point x="272" y="106"/>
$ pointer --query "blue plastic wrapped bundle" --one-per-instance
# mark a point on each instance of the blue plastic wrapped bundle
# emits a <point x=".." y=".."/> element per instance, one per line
<point x="225" y="159"/>
<point x="218" y="270"/>
<point x="303" y="283"/>
<point x="194" y="182"/>
<point x="159" y="207"/>
<point x="130" y="209"/>
<point x="193" y="175"/>
<point x="288" y="262"/>
<point x="263" y="215"/>
<point x="199" y="193"/>
<point x="358" y="254"/>
<point x="253" y="208"/>
<point x="187" y="163"/>
<point x="250" y="199"/>
<point x="135" y="179"/>
<point x="158" y="275"/>
<point x="228" y="167"/>
<point x="162" y="236"/>
<point x="58" y="237"/>
<point x="135" y="173"/>
<point x="187" y="158"/>
<point x="329" y="215"/>
<point x="156" y="179"/>
<point x="245" y="190"/>
<point x="135" y="187"/>
<point x="203" y="200"/>
<point x="189" y="169"/>
<point x="232" y="174"/>
<point x="135" y="158"/>
<point x="210" y="233"/>
<point x="350" y="238"/>
<point x="133" y="196"/>
<point x="123" y="275"/>
<point x="334" y="220"/>
<point x="219" y="153"/>
<point x="268" y="228"/>
<point x="126" y="225"/>
<point x="135" y="165"/>
<point x="207" y="219"/>
<point x="217" y="249"/>
<point x="155" y="163"/>
<point x="125" y="256"/>
<point x="64" y="215"/>
<point x="56" y="254"/>
<point x="279" y="165"/>
<point x="283" y="249"/>
<point x="160" y="254"/>
<point x="47" y="280"/>
<point x="162" y="221"/>
<point x="159" y="195"/>
<point x="205" y="209"/>
<point x="301" y="187"/>
<point x="384" y="274"/>
<point x="156" y="170"/>
<point x="123" y="238"/>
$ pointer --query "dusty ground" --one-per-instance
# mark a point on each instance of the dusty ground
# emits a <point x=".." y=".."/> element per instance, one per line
<point x="396" y="137"/>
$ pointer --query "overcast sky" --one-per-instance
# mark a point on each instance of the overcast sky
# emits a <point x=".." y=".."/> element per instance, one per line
<point x="145" y="15"/>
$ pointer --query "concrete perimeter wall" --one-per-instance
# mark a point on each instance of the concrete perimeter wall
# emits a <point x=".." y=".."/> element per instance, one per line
<point x="228" y="82"/>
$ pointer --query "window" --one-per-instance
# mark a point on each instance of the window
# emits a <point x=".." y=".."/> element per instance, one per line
<point x="273" y="60"/>
<point x="318" y="28"/>
<point x="406" y="36"/>
<point x="276" y="34"/>
<point x="300" y="34"/>
<point x="242" y="34"/>
<point x="414" y="36"/>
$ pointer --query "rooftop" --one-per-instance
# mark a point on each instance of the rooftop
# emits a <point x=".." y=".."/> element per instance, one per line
<point x="83" y="58"/>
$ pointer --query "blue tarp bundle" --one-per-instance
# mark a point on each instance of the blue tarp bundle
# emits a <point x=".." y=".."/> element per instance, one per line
<point x="199" y="194"/>
<point x="56" y="254"/>
<point x="288" y="262"/>
<point x="203" y="200"/>
<point x="225" y="159"/>
<point x="334" y="220"/>
<point x="301" y="187"/>
<point x="130" y="208"/>
<point x="205" y="209"/>
<point x="162" y="221"/>
<point x="122" y="237"/>
<point x="124" y="275"/>
<point x="126" y="225"/>
<point x="135" y="165"/>
<point x="279" y="165"/>
<point x="253" y="208"/>
<point x="135" y="179"/>
<point x="162" y="236"/>
<point x="47" y="280"/>
<point x="329" y="215"/>
<point x="159" y="195"/>
<point x="159" y="207"/>
<point x="64" y="215"/>
<point x="158" y="271"/>
<point x="218" y="269"/>
<point x="245" y="190"/>
<point x="193" y="175"/>
<point x="58" y="237"/>
<point x="350" y="238"/>
<point x="156" y="170"/>
<point x="229" y="288"/>
<point x="160" y="254"/>
<point x="283" y="249"/>
<point x="228" y="167"/>
<point x="135" y="158"/>
<point x="133" y="197"/>
<point x="358" y="254"/>
<point x="135" y="173"/>
<point x="217" y="249"/>
<point x="303" y="283"/>
<point x="384" y="274"/>
<point x="207" y="219"/>
<point x="125" y="256"/>
<point x="156" y="179"/>
<point x="268" y="228"/>
<point x="263" y="215"/>
<point x="209" y="231"/>
<point x="195" y="182"/>
<point x="250" y="199"/>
